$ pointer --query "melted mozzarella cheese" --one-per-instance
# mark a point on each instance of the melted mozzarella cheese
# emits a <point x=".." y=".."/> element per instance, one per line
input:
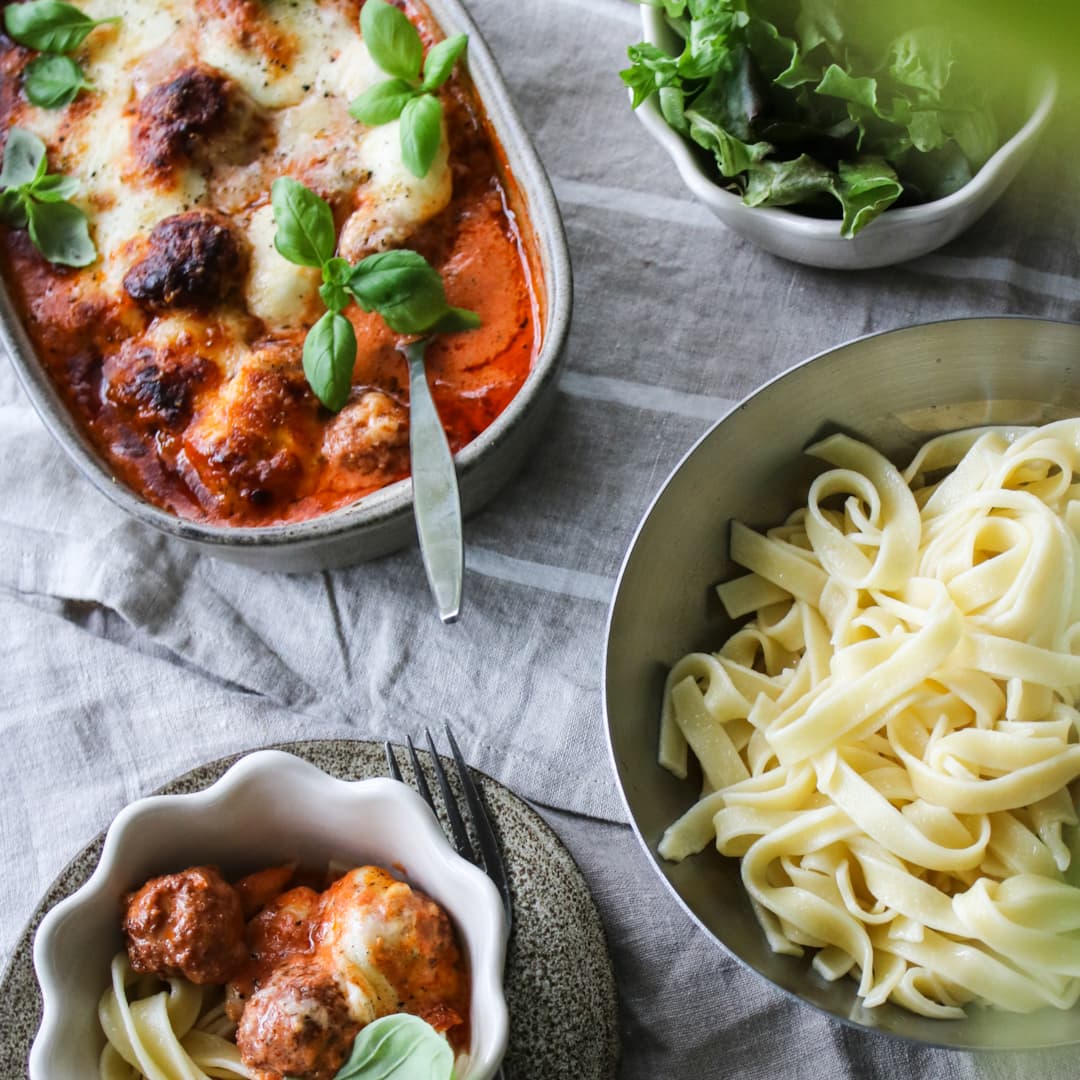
<point x="313" y="139"/>
<point x="97" y="149"/>
<point x="347" y="946"/>
<point x="394" y="202"/>
<point x="278" y="292"/>
<point x="328" y="54"/>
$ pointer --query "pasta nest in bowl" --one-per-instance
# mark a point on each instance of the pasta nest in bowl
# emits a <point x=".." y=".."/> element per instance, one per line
<point x="890" y="744"/>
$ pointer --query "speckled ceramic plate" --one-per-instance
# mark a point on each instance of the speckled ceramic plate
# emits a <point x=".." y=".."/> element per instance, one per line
<point x="559" y="984"/>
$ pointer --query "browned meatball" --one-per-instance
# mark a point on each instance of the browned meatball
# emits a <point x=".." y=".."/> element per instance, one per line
<point x="196" y="260"/>
<point x="298" y="1024"/>
<point x="199" y="115"/>
<point x="189" y="924"/>
<point x="156" y="387"/>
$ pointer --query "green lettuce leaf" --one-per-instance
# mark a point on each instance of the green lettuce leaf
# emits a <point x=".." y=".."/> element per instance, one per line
<point x="786" y="183"/>
<point x="733" y="156"/>
<point x="866" y="189"/>
<point x="814" y="103"/>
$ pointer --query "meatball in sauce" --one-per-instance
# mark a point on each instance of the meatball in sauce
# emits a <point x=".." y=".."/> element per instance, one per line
<point x="188" y="925"/>
<point x="304" y="970"/>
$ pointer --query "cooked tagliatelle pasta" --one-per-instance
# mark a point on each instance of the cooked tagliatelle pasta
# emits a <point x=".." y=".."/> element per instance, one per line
<point x="889" y="743"/>
<point x="164" y="1029"/>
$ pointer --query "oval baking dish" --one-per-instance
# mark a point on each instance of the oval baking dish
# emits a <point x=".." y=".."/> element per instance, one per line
<point x="381" y="521"/>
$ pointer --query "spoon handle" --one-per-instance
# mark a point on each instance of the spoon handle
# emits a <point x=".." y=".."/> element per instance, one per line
<point x="436" y="502"/>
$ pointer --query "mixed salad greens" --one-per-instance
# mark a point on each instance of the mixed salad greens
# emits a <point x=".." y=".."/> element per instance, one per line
<point x="810" y="103"/>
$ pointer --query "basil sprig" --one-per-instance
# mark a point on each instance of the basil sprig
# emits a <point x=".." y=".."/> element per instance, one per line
<point x="402" y="1045"/>
<point x="401" y="286"/>
<point x="54" y="28"/>
<point x="396" y="47"/>
<point x="53" y="81"/>
<point x="35" y="200"/>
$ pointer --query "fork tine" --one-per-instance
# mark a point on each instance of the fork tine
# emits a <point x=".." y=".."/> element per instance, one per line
<point x="391" y="761"/>
<point x="453" y="814"/>
<point x="485" y="835"/>
<point x="421" y="779"/>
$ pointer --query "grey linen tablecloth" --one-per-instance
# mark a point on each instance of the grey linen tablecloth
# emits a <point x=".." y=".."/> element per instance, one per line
<point x="125" y="659"/>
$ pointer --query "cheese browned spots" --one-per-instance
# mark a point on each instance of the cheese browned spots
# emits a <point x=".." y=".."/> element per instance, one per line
<point x="179" y="350"/>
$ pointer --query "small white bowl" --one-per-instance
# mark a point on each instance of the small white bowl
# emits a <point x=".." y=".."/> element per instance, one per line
<point x="894" y="237"/>
<point x="268" y="808"/>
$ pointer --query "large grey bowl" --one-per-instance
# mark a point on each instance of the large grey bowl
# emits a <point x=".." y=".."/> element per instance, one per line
<point x="895" y="390"/>
<point x="383" y="521"/>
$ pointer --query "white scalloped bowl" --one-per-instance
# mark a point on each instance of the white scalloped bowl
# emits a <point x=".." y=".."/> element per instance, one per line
<point x="896" y="236"/>
<point x="268" y="808"/>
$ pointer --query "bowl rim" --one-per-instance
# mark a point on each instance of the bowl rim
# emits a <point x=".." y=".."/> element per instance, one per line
<point x="483" y="932"/>
<point x="1043" y="90"/>
<point x="651" y="855"/>
<point x="520" y="161"/>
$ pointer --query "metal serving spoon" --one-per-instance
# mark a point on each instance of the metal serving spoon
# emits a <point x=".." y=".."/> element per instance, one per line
<point x="436" y="501"/>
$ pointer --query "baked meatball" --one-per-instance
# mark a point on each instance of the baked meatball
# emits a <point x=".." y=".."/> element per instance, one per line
<point x="196" y="260"/>
<point x="189" y="924"/>
<point x="378" y="930"/>
<point x="278" y="933"/>
<point x="297" y="1024"/>
<point x="198" y="115"/>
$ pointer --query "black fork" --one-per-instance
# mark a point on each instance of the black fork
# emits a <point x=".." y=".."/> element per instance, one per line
<point x="487" y="857"/>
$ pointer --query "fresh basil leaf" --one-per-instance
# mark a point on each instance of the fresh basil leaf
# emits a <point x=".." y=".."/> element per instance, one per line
<point x="52" y="82"/>
<point x="60" y="232"/>
<point x="329" y="357"/>
<point x="391" y="39"/>
<point x="13" y="208"/>
<point x="401" y="1046"/>
<point x="402" y="287"/>
<point x="457" y="320"/>
<point x="866" y="189"/>
<point x="305" y="225"/>
<point x="49" y="26"/>
<point x="407" y="292"/>
<point x="53" y="188"/>
<point x="421" y="133"/>
<point x="337" y="271"/>
<point x="383" y="102"/>
<point x="24" y="159"/>
<point x="441" y="59"/>
<point x="334" y="296"/>
<point x="378" y="274"/>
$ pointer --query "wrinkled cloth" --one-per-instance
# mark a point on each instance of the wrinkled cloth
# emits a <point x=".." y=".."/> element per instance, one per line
<point x="128" y="659"/>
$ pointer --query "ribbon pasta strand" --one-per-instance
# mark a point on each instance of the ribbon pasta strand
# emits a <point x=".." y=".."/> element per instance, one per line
<point x="891" y="745"/>
<point x="157" y="1031"/>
